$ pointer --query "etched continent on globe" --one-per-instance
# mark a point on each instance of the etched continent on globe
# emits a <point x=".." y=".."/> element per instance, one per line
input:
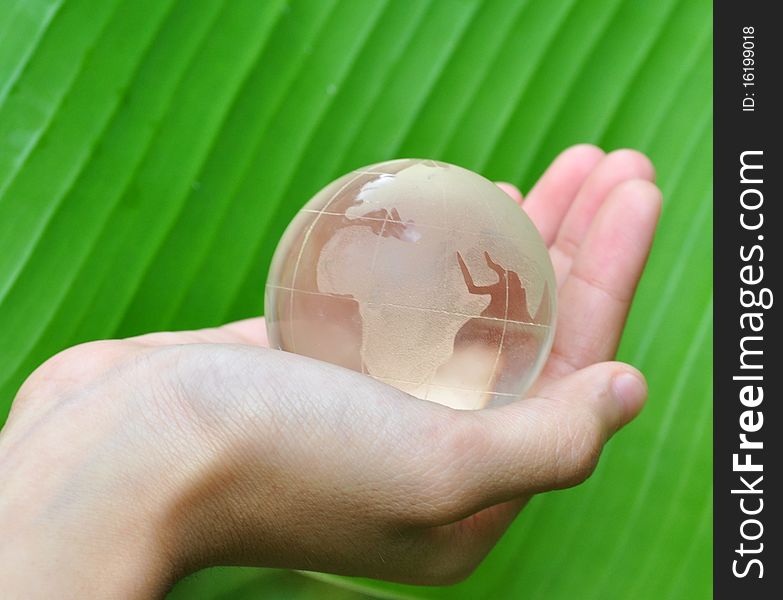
<point x="421" y="274"/>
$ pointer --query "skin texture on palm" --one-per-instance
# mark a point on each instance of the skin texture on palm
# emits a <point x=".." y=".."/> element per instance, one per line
<point x="133" y="462"/>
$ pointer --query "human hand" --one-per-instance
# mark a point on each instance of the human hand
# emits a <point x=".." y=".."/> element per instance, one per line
<point x="129" y="463"/>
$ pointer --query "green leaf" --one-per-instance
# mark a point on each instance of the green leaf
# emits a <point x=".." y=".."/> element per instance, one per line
<point x="152" y="152"/>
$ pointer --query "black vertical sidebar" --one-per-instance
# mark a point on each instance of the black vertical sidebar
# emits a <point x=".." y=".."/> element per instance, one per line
<point x="748" y="261"/>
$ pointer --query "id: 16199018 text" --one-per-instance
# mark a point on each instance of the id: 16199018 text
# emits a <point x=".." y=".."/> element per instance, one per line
<point x="749" y="68"/>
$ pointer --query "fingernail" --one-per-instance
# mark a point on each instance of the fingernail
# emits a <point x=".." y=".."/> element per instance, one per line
<point x="630" y="391"/>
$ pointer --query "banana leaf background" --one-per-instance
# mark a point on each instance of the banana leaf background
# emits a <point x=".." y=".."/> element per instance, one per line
<point x="153" y="151"/>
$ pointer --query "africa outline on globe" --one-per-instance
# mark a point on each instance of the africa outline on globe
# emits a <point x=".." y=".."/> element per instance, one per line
<point x="421" y="274"/>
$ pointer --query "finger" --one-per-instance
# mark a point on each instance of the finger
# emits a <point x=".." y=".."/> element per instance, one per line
<point x="247" y="331"/>
<point x="554" y="440"/>
<point x="614" y="169"/>
<point x="511" y="190"/>
<point x="596" y="296"/>
<point x="549" y="200"/>
<point x="549" y="441"/>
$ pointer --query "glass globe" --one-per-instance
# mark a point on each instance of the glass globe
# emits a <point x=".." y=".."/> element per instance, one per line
<point x="421" y="274"/>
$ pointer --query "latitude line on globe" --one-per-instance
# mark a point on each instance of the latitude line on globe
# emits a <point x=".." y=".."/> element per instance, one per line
<point x="446" y="387"/>
<point x="419" y="308"/>
<point x="494" y="236"/>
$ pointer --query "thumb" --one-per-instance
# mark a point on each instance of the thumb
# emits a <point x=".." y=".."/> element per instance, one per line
<point x="553" y="440"/>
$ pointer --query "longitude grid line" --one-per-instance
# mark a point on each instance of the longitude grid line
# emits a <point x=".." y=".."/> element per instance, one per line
<point x="444" y="215"/>
<point x="301" y="253"/>
<point x="502" y="336"/>
<point x="378" y="245"/>
<point x="488" y="208"/>
<point x="372" y="271"/>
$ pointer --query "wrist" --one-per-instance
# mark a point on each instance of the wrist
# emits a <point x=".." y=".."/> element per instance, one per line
<point x="75" y="522"/>
<point x="44" y="557"/>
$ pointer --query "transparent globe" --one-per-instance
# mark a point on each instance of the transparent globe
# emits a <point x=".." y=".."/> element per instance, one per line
<point x="421" y="274"/>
